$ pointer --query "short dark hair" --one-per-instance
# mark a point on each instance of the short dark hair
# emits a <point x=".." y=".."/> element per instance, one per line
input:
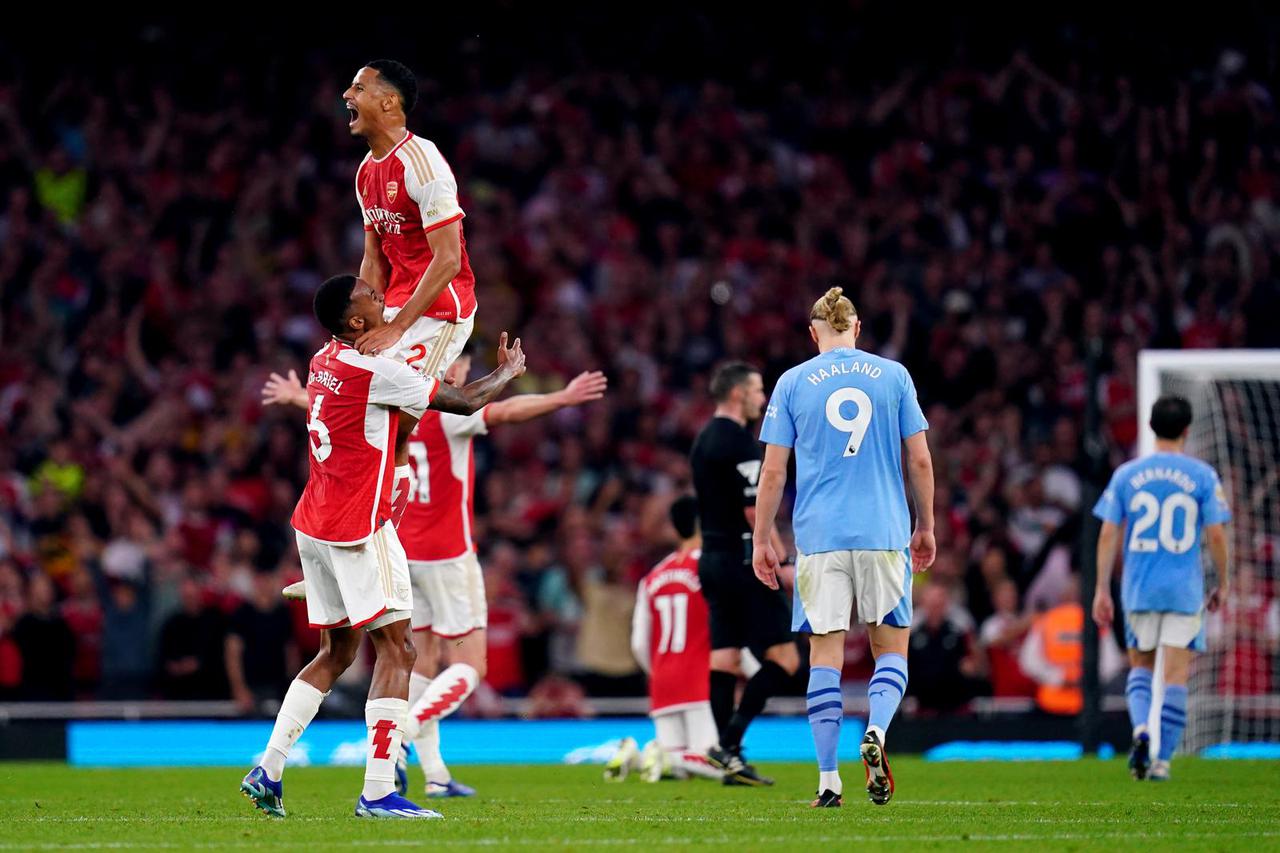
<point x="729" y="376"/>
<point x="332" y="302"/>
<point x="684" y="516"/>
<point x="1170" y="416"/>
<point x="400" y="77"/>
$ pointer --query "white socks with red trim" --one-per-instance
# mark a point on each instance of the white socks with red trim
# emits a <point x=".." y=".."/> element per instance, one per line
<point x="427" y="743"/>
<point x="443" y="696"/>
<point x="296" y="713"/>
<point x="402" y="486"/>
<point x="385" y="720"/>
<point x="694" y="764"/>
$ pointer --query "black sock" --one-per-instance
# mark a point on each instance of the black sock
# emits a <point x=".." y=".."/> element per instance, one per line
<point x="769" y="681"/>
<point x="723" y="685"/>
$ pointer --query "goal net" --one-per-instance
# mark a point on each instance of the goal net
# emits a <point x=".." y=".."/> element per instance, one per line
<point x="1234" y="690"/>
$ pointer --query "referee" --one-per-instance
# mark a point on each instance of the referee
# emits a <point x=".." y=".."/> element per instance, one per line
<point x="744" y="613"/>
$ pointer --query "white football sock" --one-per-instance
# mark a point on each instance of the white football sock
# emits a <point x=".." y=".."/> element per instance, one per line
<point x="297" y="711"/>
<point x="418" y="685"/>
<point x="428" y="746"/>
<point x="384" y="719"/>
<point x="446" y="694"/>
<point x="829" y="780"/>
<point x="693" y="763"/>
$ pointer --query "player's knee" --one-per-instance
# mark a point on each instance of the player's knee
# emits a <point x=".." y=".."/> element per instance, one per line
<point x="337" y="657"/>
<point x="726" y="660"/>
<point x="785" y="656"/>
<point x="408" y="653"/>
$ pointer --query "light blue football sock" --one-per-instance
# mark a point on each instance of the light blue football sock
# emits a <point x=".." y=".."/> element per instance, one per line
<point x="826" y="711"/>
<point x="1137" y="693"/>
<point x="885" y="690"/>
<point x="1173" y="719"/>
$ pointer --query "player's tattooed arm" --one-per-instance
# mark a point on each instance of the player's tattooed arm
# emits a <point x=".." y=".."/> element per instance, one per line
<point x="472" y="398"/>
<point x="280" y="390"/>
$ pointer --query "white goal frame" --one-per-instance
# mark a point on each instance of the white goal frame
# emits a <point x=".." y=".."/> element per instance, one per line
<point x="1207" y="365"/>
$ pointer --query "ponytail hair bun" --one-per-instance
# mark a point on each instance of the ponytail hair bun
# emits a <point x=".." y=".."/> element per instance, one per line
<point x="834" y="309"/>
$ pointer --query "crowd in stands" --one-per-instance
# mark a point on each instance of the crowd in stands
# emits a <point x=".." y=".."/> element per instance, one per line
<point x="1013" y="228"/>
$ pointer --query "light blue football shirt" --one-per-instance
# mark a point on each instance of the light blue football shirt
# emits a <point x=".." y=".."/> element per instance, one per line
<point x="1167" y="499"/>
<point x="846" y="413"/>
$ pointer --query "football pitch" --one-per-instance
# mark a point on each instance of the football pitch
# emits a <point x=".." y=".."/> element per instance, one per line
<point x="1078" y="805"/>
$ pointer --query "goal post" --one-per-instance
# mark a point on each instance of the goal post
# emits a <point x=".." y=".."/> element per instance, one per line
<point x="1234" y="688"/>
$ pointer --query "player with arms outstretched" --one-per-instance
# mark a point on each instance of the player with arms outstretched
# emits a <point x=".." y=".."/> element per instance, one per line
<point x="415" y="254"/>
<point x="848" y="414"/>
<point x="435" y="523"/>
<point x="357" y="571"/>
<point x="1167" y="500"/>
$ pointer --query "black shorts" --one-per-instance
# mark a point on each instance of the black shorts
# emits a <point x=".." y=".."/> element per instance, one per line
<point x="744" y="612"/>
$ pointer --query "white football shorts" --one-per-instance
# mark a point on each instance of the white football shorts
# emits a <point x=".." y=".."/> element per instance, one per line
<point x="830" y="584"/>
<point x="448" y="596"/>
<point x="430" y="345"/>
<point x="1144" y="630"/>
<point x="359" y="586"/>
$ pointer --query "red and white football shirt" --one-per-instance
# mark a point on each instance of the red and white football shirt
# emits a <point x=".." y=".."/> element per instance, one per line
<point x="440" y="514"/>
<point x="671" y="633"/>
<point x="353" y="400"/>
<point x="403" y="196"/>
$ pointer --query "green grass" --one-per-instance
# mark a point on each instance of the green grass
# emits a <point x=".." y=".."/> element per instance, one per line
<point x="1082" y="805"/>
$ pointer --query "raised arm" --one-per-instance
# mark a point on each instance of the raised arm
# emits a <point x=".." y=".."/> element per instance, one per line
<point x="773" y="479"/>
<point x="471" y="398"/>
<point x="920" y="473"/>
<point x="585" y="387"/>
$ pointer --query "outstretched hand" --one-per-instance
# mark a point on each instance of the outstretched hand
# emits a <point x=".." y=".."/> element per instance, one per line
<point x="585" y="387"/>
<point x="281" y="391"/>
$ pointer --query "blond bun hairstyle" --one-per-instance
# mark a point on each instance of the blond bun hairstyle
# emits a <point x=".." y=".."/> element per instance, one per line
<point x="835" y="309"/>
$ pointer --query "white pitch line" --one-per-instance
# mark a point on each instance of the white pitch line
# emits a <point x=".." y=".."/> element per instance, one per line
<point x="668" y="841"/>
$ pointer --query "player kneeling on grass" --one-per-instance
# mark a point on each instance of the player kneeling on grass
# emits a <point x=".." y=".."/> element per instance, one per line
<point x="356" y="571"/>
<point x="848" y="414"/>
<point x="1166" y="499"/>
<point x="671" y="640"/>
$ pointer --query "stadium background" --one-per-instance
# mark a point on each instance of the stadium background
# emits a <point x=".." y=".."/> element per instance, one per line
<point x="648" y="192"/>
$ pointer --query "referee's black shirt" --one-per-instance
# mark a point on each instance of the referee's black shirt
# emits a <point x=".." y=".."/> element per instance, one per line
<point x="726" y="468"/>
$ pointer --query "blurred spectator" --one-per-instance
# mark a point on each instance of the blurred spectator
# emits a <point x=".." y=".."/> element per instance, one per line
<point x="128" y="657"/>
<point x="83" y="614"/>
<point x="191" y="649"/>
<point x="608" y="595"/>
<point x="988" y="209"/>
<point x="509" y="621"/>
<point x="46" y="644"/>
<point x="1001" y="638"/>
<point x="1053" y="654"/>
<point x="944" y="668"/>
<point x="261" y="656"/>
